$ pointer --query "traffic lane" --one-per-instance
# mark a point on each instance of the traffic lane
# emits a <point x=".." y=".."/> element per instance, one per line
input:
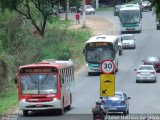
<point x="125" y="77"/>
<point x="47" y="116"/>
<point x="144" y="96"/>
<point x="87" y="87"/>
<point x="87" y="92"/>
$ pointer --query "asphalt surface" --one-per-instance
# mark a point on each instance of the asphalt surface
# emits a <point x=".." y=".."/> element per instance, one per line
<point x="144" y="96"/>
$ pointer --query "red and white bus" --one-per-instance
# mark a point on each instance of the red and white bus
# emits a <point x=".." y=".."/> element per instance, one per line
<point x="47" y="85"/>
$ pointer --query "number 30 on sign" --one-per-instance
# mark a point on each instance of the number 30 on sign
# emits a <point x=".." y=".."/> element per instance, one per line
<point x="107" y="66"/>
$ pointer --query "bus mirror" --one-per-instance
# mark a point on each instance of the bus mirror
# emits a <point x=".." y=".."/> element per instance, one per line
<point x="16" y="81"/>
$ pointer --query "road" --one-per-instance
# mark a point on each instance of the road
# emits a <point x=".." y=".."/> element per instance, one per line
<point x="144" y="96"/>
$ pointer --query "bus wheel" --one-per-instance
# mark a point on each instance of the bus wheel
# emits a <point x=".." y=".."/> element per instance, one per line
<point x="116" y="70"/>
<point x="25" y="112"/>
<point x="69" y="106"/>
<point x="89" y="73"/>
<point x="120" y="52"/>
<point x="61" y="111"/>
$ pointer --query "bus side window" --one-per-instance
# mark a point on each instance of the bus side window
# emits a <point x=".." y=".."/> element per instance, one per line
<point x="62" y="80"/>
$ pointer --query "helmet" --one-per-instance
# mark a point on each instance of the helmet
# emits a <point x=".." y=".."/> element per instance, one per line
<point x="98" y="103"/>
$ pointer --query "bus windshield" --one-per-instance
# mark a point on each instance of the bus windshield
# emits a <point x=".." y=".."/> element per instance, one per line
<point x="130" y="17"/>
<point x="98" y="54"/>
<point x="38" y="83"/>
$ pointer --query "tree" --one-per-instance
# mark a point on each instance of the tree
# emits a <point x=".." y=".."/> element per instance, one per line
<point x="32" y="8"/>
<point x="156" y="4"/>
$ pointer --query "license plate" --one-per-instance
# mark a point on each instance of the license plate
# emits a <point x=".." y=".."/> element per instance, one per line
<point x="113" y="108"/>
<point x="145" y="73"/>
<point x="39" y="105"/>
<point x="130" y="28"/>
<point x="96" y="69"/>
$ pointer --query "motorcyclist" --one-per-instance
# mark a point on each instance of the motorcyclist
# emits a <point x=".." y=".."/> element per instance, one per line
<point x="98" y="110"/>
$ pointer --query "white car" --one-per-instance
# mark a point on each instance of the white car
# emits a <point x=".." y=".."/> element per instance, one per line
<point x="146" y="73"/>
<point x="89" y="9"/>
<point x="146" y="6"/>
<point x="128" y="41"/>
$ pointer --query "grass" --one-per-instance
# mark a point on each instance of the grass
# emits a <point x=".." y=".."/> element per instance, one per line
<point x="77" y="46"/>
<point x="8" y="101"/>
<point x="105" y="9"/>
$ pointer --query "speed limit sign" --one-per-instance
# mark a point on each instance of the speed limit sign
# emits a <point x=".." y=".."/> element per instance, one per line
<point x="107" y="66"/>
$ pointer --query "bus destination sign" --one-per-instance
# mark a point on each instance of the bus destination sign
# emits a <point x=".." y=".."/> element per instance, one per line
<point x="38" y="70"/>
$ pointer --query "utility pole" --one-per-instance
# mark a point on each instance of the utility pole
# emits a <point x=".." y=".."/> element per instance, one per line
<point x="97" y="4"/>
<point x="67" y="9"/>
<point x="84" y="14"/>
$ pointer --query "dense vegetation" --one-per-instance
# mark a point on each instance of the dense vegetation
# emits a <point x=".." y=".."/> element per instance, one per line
<point x="156" y="4"/>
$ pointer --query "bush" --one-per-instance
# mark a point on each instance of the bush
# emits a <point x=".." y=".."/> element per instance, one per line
<point x="64" y="54"/>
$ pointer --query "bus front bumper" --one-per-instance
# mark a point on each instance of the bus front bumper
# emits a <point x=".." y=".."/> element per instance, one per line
<point x="93" y="69"/>
<point x="55" y="104"/>
<point x="125" y="29"/>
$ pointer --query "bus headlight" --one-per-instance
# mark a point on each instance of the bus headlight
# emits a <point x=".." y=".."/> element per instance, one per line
<point x="157" y="22"/>
<point x="55" y="99"/>
<point x="23" y="100"/>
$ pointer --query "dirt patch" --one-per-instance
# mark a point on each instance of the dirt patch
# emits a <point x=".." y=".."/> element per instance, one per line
<point x="97" y="25"/>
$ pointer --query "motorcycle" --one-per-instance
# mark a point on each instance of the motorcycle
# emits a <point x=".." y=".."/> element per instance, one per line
<point x="98" y="117"/>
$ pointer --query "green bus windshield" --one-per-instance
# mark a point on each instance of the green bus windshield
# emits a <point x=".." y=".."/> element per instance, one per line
<point x="130" y="17"/>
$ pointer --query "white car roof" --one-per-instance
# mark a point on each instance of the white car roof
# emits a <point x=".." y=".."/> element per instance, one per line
<point x="119" y="92"/>
<point x="145" y="66"/>
<point x="126" y="35"/>
<point x="151" y="57"/>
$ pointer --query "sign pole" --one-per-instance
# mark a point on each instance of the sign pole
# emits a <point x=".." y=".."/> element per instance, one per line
<point x="107" y="80"/>
<point x="84" y="14"/>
